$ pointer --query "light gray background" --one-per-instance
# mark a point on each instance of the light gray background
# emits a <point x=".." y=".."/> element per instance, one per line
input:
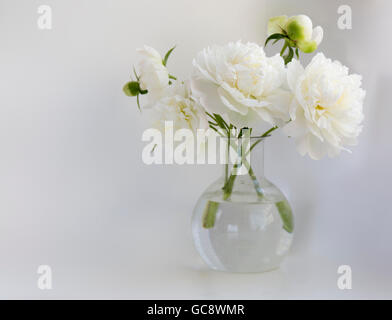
<point x="74" y="193"/>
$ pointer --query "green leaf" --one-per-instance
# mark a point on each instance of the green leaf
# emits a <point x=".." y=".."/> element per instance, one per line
<point x="209" y="214"/>
<point x="213" y="128"/>
<point x="296" y="53"/>
<point x="210" y="115"/>
<point x="221" y="122"/>
<point x="131" y="88"/>
<point x="286" y="215"/>
<point x="167" y="55"/>
<point x="283" y="49"/>
<point x="275" y="36"/>
<point x="289" y="56"/>
<point x="172" y="77"/>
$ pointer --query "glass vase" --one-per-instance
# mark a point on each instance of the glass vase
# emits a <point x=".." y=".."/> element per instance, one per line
<point x="243" y="222"/>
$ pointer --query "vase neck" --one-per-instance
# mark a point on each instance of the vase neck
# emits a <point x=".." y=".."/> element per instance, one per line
<point x="249" y="154"/>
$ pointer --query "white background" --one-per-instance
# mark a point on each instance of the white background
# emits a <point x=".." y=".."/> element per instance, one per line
<point x="74" y="193"/>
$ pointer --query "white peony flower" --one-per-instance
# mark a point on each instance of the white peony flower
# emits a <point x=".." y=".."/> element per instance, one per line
<point x="327" y="110"/>
<point x="177" y="105"/>
<point x="239" y="82"/>
<point x="154" y="76"/>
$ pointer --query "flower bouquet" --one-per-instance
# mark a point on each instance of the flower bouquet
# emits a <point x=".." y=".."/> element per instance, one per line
<point x="242" y="222"/>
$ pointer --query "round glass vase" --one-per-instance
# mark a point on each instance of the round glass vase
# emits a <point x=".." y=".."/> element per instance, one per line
<point x="243" y="222"/>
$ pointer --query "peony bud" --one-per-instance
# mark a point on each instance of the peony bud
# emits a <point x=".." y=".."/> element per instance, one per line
<point x="299" y="28"/>
<point x="276" y="24"/>
<point x="131" y="88"/>
<point x="317" y="35"/>
<point x="307" y="46"/>
<point x="297" y="31"/>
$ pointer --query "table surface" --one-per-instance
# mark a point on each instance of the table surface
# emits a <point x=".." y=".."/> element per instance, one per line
<point x="155" y="259"/>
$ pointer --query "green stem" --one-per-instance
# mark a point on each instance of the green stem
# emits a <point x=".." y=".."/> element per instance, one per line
<point x="227" y="159"/>
<point x="212" y="207"/>
<point x="284" y="48"/>
<point x="229" y="185"/>
<point x="286" y="215"/>
<point x="267" y="133"/>
<point x="209" y="214"/>
<point x="256" y="183"/>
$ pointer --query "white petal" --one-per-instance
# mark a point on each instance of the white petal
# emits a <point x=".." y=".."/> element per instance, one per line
<point x="231" y="103"/>
<point x="201" y="72"/>
<point x="149" y="52"/>
<point x="295" y="129"/>
<point x="317" y="149"/>
<point x="276" y="24"/>
<point x="279" y="102"/>
<point x="266" y="116"/>
<point x="205" y="92"/>
<point x="317" y="35"/>
<point x="293" y="108"/>
<point x="303" y="145"/>
<point x="294" y="71"/>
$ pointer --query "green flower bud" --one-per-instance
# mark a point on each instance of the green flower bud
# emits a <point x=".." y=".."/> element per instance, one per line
<point x="290" y="43"/>
<point x="276" y="24"/>
<point x="299" y="28"/>
<point x="307" y="46"/>
<point x="132" y="88"/>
